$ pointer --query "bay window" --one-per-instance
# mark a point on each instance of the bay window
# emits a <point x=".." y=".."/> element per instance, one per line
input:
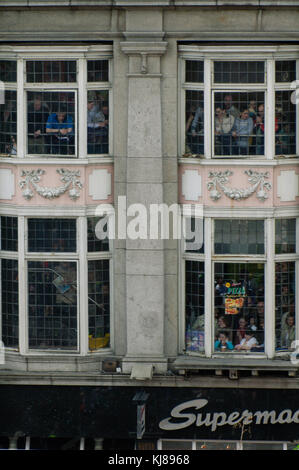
<point x="55" y="103"/>
<point x="59" y="256"/>
<point x="238" y="104"/>
<point x="229" y="285"/>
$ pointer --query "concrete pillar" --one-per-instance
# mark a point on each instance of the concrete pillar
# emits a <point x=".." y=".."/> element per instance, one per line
<point x="144" y="186"/>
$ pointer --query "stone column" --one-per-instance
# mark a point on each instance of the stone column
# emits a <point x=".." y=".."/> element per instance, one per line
<point x="144" y="185"/>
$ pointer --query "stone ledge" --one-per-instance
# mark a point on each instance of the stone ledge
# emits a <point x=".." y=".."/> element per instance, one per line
<point x="147" y="3"/>
<point x="239" y="363"/>
<point x="93" y="379"/>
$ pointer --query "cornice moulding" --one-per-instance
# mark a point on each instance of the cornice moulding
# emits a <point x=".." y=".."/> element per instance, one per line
<point x="139" y="47"/>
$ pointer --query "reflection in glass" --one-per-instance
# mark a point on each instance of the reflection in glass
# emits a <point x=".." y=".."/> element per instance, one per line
<point x="52" y="304"/>
<point x="239" y="307"/>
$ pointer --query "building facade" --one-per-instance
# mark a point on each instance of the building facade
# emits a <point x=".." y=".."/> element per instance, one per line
<point x="148" y="120"/>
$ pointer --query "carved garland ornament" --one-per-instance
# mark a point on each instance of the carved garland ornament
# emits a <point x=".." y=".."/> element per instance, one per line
<point x="257" y="180"/>
<point x="69" y="177"/>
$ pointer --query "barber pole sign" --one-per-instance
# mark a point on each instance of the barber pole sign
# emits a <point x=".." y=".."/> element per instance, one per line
<point x="140" y="421"/>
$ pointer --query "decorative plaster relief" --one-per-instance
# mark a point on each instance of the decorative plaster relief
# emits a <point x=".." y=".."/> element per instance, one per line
<point x="100" y="185"/>
<point x="7" y="184"/>
<point x="287" y="185"/>
<point x="191" y="185"/>
<point x="255" y="178"/>
<point x="32" y="177"/>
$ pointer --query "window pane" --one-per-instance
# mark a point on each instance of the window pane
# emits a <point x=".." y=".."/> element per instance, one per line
<point x="53" y="235"/>
<point x="239" y="237"/>
<point x="239" y="123"/>
<point x="51" y="71"/>
<point x="285" y="70"/>
<point x="8" y="70"/>
<point x="285" y="236"/>
<point x="97" y="70"/>
<point x="195" y="323"/>
<point x="285" y="123"/>
<point x="51" y="122"/>
<point x="97" y="121"/>
<point x="285" y="304"/>
<point x="194" y="235"/>
<point x="93" y="242"/>
<point x="239" y="307"/>
<point x="8" y="123"/>
<point x="52" y="305"/>
<point x="98" y="304"/>
<point x="10" y="302"/>
<point x="239" y="72"/>
<point x="194" y="71"/>
<point x="9" y="233"/>
<point x="194" y="122"/>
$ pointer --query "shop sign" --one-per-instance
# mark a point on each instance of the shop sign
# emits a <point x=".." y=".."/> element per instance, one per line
<point x="214" y="420"/>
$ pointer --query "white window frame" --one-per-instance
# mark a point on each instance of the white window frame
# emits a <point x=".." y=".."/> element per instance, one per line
<point x="209" y="54"/>
<point x="210" y="258"/>
<point x="80" y="257"/>
<point x="79" y="53"/>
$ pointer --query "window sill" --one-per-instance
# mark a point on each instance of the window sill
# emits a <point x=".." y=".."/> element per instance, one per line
<point x="247" y="361"/>
<point x="236" y="161"/>
<point x="40" y="160"/>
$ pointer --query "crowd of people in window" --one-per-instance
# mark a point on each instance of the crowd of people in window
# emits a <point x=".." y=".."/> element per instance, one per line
<point x="51" y="126"/>
<point x="242" y="327"/>
<point x="239" y="128"/>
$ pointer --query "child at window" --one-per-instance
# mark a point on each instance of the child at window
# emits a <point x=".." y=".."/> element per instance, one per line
<point x="248" y="342"/>
<point x="223" y="344"/>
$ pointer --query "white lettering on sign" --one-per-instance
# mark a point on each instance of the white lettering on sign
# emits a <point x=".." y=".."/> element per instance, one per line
<point x="221" y="418"/>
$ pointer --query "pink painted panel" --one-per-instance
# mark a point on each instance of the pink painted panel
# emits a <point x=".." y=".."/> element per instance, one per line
<point x="52" y="179"/>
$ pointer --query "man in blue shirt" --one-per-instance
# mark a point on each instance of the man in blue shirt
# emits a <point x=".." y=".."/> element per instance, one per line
<point x="60" y="128"/>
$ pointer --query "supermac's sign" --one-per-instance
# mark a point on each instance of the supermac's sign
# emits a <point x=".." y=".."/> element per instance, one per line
<point x="186" y="414"/>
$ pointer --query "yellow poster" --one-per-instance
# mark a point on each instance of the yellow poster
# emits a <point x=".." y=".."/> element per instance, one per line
<point x="233" y="305"/>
